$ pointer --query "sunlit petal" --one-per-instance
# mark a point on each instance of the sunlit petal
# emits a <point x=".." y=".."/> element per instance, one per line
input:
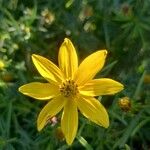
<point x="51" y="109"/>
<point x="93" y="110"/>
<point x="47" y="69"/>
<point x="41" y="91"/>
<point x="68" y="61"/>
<point x="69" y="121"/>
<point x="90" y="67"/>
<point x="103" y="86"/>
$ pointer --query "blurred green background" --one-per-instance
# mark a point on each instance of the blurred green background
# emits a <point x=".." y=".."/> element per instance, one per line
<point x="39" y="26"/>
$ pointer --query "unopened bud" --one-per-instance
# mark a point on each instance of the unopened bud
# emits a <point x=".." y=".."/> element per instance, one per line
<point x="125" y="104"/>
<point x="59" y="134"/>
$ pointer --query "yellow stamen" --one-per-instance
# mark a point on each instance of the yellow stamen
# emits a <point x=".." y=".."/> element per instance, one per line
<point x="69" y="88"/>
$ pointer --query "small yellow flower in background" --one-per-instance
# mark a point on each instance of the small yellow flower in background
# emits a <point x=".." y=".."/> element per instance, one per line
<point x="71" y="88"/>
<point x="2" y="64"/>
<point x="125" y="104"/>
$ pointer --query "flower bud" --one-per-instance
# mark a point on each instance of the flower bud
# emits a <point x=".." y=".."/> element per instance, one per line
<point x="125" y="104"/>
<point x="59" y="134"/>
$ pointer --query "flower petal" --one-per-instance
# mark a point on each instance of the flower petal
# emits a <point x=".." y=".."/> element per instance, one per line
<point x="103" y="86"/>
<point x="69" y="121"/>
<point x="51" y="109"/>
<point x="68" y="60"/>
<point x="41" y="91"/>
<point x="47" y="69"/>
<point x="90" y="66"/>
<point x="93" y="110"/>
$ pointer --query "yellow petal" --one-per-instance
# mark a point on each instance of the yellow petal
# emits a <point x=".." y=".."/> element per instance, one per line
<point x="51" y="109"/>
<point x="41" y="91"/>
<point x="103" y="86"/>
<point x="47" y="69"/>
<point x="68" y="61"/>
<point x="69" y="121"/>
<point x="90" y="66"/>
<point x="93" y="110"/>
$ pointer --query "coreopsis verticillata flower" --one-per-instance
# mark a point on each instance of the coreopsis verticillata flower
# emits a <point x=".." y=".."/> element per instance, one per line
<point x="71" y="88"/>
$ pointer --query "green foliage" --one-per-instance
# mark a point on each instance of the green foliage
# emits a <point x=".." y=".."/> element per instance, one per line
<point x="39" y="27"/>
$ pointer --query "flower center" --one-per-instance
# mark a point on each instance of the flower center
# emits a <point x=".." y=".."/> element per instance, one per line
<point x="69" y="88"/>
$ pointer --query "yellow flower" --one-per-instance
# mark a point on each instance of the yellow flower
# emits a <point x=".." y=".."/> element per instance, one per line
<point x="71" y="88"/>
<point x="125" y="103"/>
<point x="2" y="65"/>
